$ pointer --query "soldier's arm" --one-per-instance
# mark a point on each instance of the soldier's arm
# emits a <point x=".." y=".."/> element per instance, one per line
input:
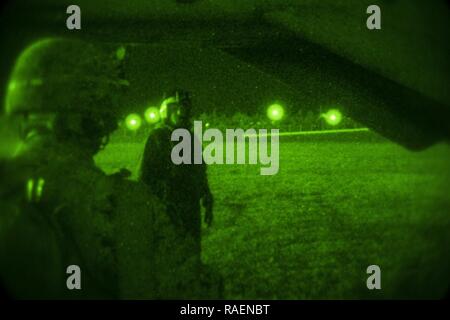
<point x="207" y="197"/>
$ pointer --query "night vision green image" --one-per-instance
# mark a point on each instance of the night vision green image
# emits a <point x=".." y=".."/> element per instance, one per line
<point x="225" y="149"/>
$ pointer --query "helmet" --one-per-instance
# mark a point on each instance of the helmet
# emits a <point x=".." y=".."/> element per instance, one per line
<point x="66" y="81"/>
<point x="176" y="109"/>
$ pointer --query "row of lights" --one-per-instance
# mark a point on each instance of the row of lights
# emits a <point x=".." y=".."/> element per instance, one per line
<point x="134" y="121"/>
<point x="333" y="117"/>
<point x="275" y="112"/>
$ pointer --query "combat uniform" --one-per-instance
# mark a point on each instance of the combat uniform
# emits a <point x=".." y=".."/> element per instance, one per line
<point x="59" y="209"/>
<point x="181" y="187"/>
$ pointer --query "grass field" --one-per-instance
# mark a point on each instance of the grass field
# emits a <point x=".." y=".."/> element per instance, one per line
<point x="333" y="209"/>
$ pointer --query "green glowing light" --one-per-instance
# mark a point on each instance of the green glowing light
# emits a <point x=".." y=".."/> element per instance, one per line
<point x="30" y="186"/>
<point x="333" y="117"/>
<point x="152" y="115"/>
<point x="40" y="188"/>
<point x="133" y="122"/>
<point x="34" y="190"/>
<point x="121" y="52"/>
<point x="275" y="112"/>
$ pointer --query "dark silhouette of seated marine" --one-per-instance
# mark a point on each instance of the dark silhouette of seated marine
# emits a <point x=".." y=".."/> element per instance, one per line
<point x="59" y="209"/>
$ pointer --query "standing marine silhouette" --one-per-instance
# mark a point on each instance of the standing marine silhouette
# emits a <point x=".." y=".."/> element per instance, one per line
<point x="184" y="187"/>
